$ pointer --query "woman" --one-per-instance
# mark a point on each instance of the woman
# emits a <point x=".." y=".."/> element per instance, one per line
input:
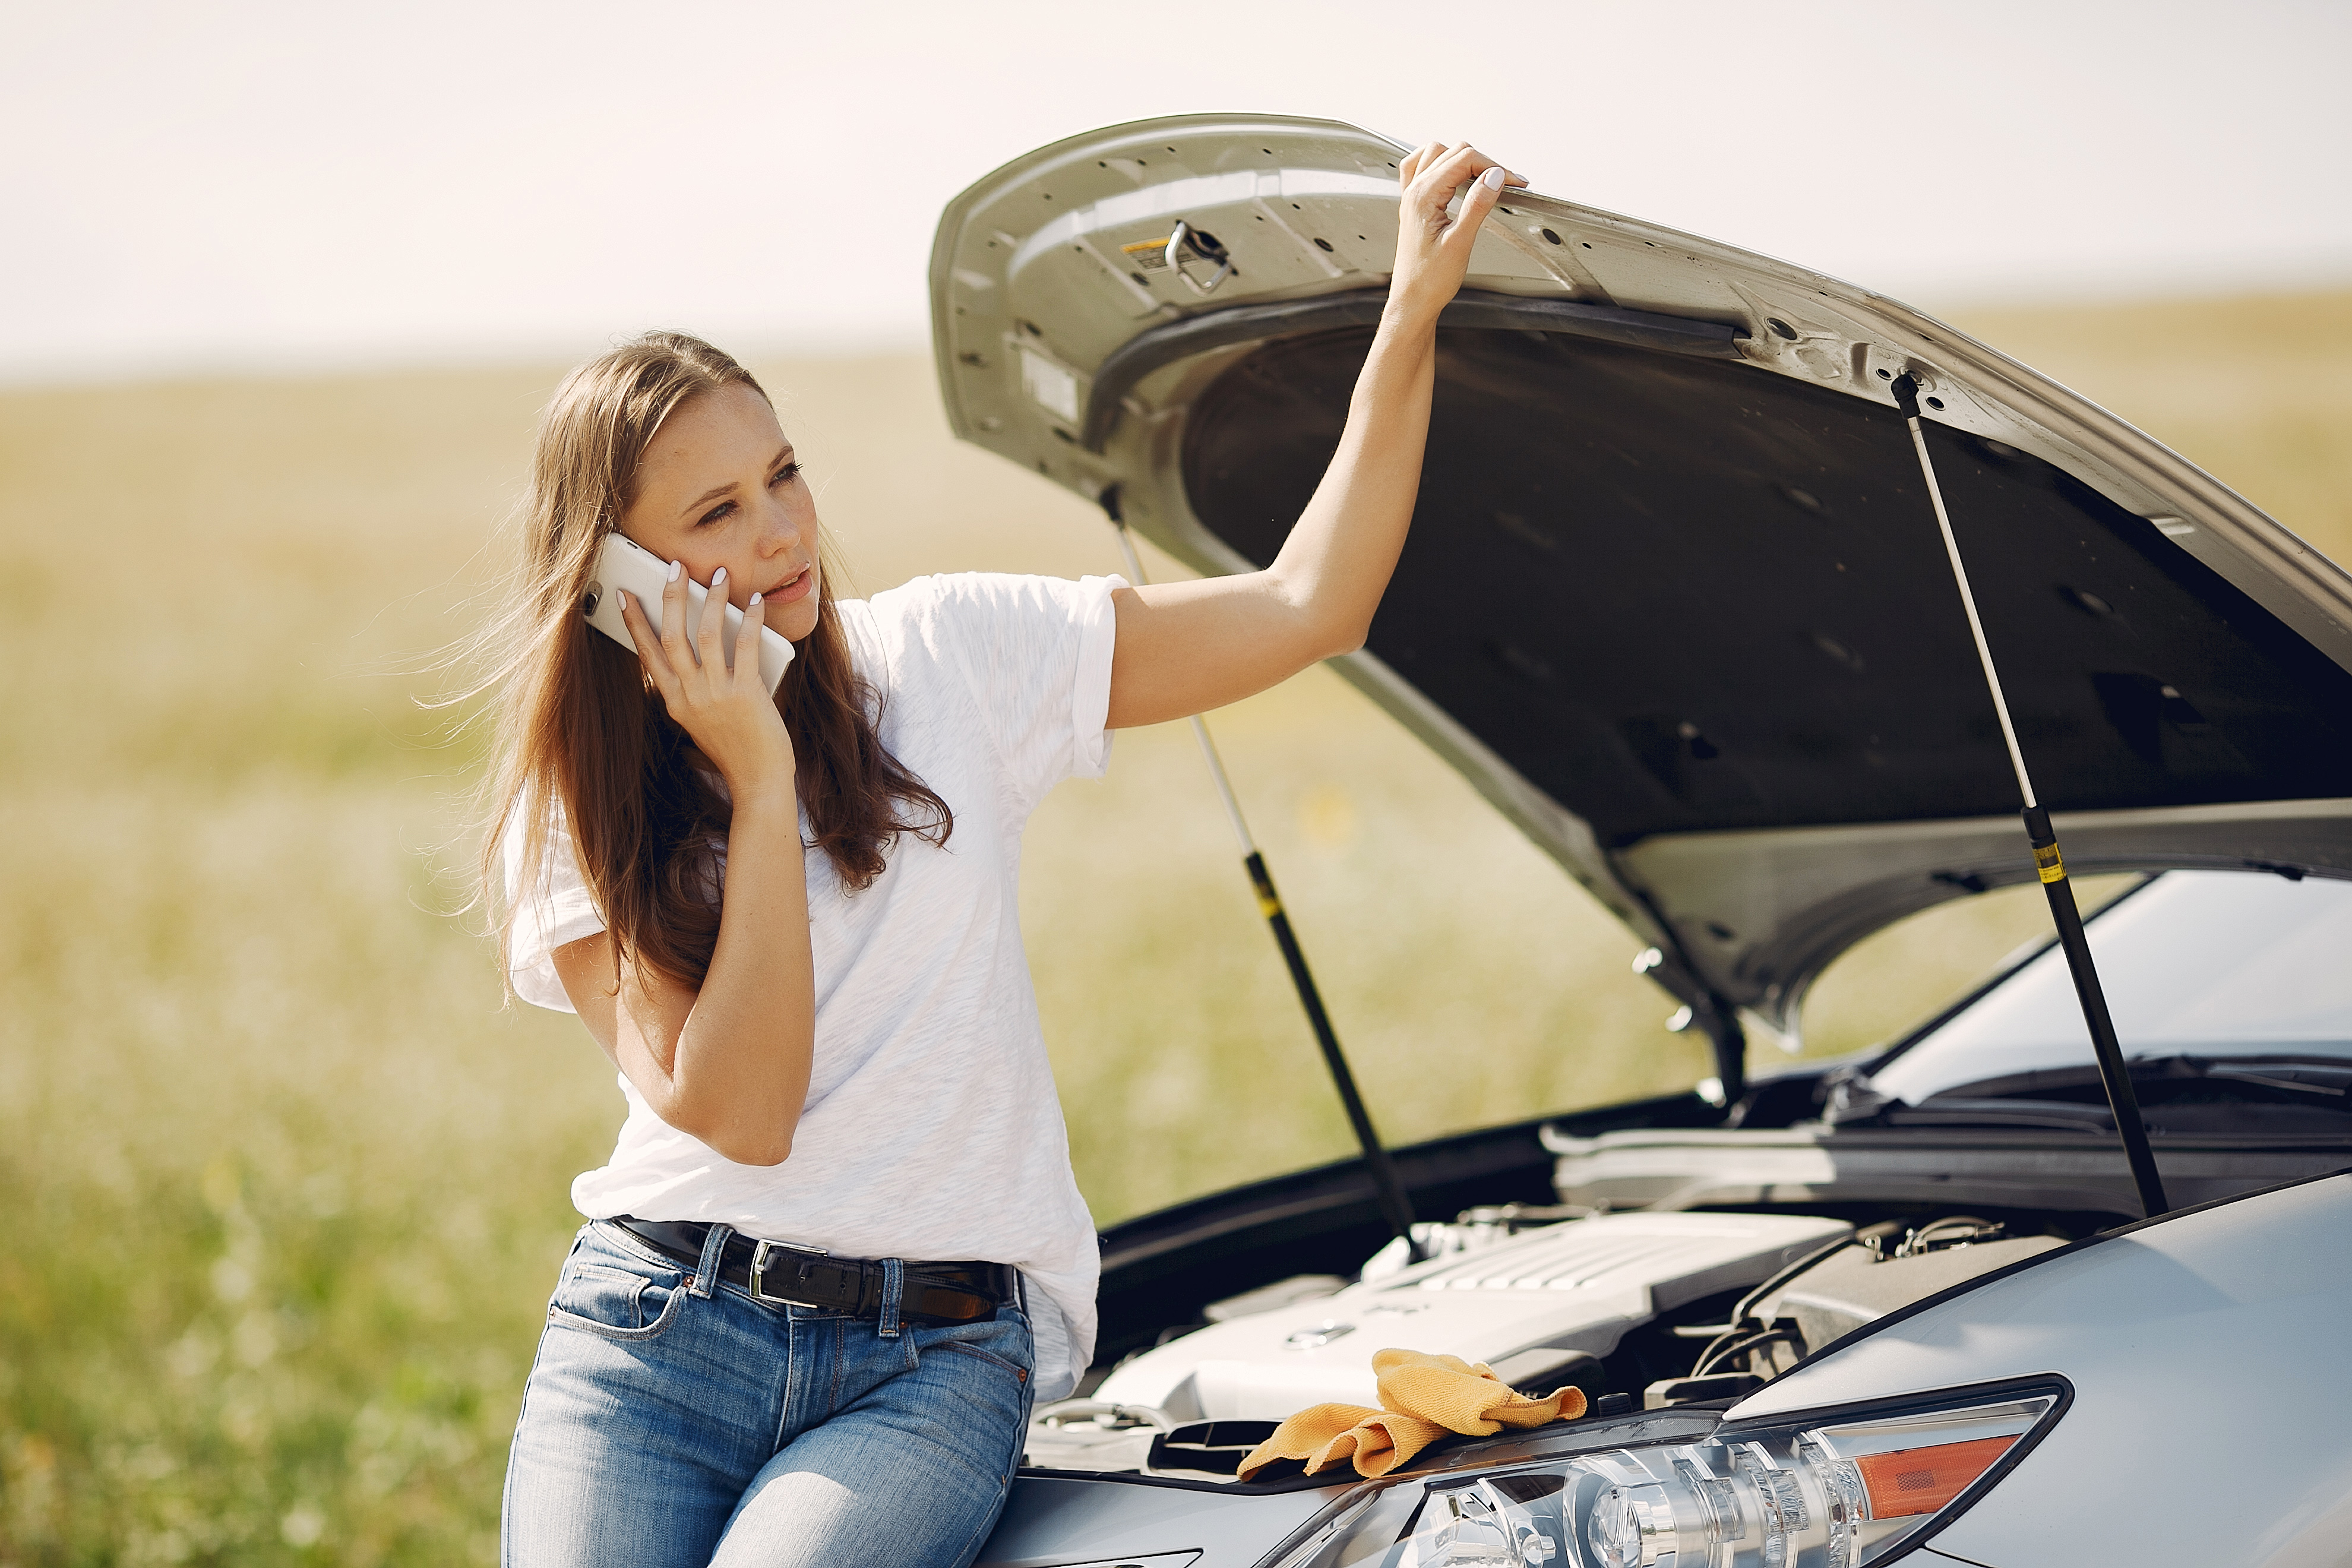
<point x="838" y="1251"/>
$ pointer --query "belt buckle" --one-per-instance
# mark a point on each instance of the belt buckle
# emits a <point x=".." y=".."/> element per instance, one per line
<point x="758" y="1274"/>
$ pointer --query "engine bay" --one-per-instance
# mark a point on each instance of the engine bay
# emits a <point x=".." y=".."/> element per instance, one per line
<point x="1641" y="1309"/>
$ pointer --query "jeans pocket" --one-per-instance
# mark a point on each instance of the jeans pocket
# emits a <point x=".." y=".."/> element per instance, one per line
<point x="615" y="1303"/>
<point x="1000" y="1343"/>
<point x="1020" y="1373"/>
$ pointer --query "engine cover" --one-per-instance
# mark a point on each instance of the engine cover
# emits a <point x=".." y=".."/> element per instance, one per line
<point x="1580" y="1285"/>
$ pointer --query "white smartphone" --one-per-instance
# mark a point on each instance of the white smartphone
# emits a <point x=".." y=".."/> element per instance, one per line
<point x="644" y="574"/>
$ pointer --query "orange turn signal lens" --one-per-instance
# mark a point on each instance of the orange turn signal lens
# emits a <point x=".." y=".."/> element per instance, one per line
<point x="1921" y="1480"/>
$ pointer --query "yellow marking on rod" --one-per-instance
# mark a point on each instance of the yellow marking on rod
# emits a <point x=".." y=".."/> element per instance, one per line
<point x="2053" y="869"/>
<point x="1268" y="905"/>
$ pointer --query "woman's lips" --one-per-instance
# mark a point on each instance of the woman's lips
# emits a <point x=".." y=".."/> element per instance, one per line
<point x="795" y="586"/>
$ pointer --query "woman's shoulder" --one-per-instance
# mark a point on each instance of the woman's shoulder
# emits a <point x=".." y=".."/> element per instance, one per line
<point x="936" y="593"/>
<point x="947" y="601"/>
<point x="991" y="625"/>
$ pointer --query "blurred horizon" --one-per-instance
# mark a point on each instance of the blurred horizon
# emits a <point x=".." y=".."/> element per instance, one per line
<point x="752" y="350"/>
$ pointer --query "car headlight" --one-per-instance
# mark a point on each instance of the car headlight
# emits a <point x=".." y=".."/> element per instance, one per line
<point x="1833" y="1489"/>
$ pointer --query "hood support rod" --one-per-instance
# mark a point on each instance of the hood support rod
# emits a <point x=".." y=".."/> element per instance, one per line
<point x="2113" y="1070"/>
<point x="1396" y="1207"/>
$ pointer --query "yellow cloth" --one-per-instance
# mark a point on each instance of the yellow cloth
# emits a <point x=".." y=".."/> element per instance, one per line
<point x="1425" y="1396"/>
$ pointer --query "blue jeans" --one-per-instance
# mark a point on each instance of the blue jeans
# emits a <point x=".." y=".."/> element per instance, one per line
<point x="671" y="1419"/>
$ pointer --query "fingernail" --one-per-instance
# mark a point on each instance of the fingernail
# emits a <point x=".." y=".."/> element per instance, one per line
<point x="756" y="597"/>
<point x="718" y="576"/>
<point x="621" y="597"/>
<point x="1493" y="178"/>
<point x="674" y="570"/>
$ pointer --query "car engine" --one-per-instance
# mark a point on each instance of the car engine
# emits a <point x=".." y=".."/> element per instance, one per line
<point x="1640" y="1309"/>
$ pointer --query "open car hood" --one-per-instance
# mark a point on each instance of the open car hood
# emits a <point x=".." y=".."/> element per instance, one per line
<point x="1675" y="599"/>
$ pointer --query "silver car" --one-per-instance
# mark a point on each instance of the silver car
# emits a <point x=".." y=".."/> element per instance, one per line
<point x="1692" y="628"/>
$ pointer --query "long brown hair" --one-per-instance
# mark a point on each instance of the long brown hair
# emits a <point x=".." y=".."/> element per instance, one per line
<point x="582" y="732"/>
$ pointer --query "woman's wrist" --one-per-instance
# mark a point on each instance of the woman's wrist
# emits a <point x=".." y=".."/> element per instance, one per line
<point x="1410" y="312"/>
<point x="768" y="799"/>
<point x="766" y="770"/>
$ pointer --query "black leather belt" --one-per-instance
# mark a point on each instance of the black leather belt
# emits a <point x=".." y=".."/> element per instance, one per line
<point x="783" y="1275"/>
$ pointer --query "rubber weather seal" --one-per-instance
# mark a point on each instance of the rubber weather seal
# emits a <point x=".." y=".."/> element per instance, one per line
<point x="1127" y="365"/>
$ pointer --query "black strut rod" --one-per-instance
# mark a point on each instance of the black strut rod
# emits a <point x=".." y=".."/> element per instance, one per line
<point x="1388" y="1189"/>
<point x="2114" y="1073"/>
<point x="1395" y="1206"/>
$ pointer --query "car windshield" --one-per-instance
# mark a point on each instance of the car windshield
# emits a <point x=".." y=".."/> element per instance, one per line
<point x="2201" y="966"/>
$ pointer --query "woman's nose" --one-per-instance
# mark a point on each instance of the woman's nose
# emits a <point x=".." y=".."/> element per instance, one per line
<point x="778" y="532"/>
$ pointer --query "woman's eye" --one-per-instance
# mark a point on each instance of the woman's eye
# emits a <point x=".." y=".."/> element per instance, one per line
<point x="716" y="513"/>
<point x="786" y="474"/>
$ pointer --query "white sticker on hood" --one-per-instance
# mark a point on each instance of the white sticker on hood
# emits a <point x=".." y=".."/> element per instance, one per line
<point x="1054" y="389"/>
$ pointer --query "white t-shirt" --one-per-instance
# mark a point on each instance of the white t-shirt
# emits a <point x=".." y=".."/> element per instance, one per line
<point x="931" y="1129"/>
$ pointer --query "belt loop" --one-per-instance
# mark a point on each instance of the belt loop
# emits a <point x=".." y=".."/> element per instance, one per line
<point x="894" y="1286"/>
<point x="706" y="1273"/>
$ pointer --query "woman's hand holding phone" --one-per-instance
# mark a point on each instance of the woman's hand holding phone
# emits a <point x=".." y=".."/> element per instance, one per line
<point x="728" y="711"/>
<point x="727" y="1062"/>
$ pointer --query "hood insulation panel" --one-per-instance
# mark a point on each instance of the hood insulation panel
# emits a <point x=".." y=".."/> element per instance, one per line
<point x="1676" y="595"/>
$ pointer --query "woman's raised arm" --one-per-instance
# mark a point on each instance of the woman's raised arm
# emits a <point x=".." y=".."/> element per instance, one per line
<point x="1186" y="647"/>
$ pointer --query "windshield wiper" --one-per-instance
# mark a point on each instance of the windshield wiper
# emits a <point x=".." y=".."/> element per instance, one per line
<point x="2025" y="1098"/>
<point x="1942" y="1110"/>
<point x="2226" y="1069"/>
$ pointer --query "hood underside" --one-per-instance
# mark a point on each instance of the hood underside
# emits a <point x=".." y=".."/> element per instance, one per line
<point x="1675" y="598"/>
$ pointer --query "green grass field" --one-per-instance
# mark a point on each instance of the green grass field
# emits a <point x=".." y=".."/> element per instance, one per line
<point x="286" y="1185"/>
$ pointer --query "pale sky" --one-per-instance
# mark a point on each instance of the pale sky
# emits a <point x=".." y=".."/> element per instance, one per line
<point x="282" y="187"/>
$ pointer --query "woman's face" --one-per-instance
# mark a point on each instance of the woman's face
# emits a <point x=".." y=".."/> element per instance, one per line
<point x="720" y="486"/>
